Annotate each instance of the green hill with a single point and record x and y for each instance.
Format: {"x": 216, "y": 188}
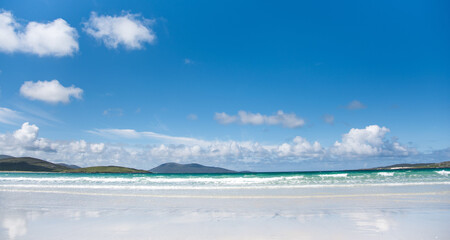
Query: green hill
{"x": 29, "y": 164}
{"x": 415, "y": 166}
{"x": 69, "y": 165}
{"x": 105, "y": 169}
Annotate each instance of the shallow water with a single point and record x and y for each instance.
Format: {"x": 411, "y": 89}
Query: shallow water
{"x": 400, "y": 204}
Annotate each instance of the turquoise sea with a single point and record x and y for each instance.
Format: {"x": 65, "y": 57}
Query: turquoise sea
{"x": 394, "y": 204}
{"x": 282, "y": 180}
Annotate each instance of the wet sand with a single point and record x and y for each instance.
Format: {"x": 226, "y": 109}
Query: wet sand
{"x": 396, "y": 212}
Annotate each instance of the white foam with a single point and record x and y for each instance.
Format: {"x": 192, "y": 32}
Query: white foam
{"x": 158, "y": 180}
{"x": 443, "y": 173}
{"x": 191, "y": 187}
{"x": 339, "y": 175}
{"x": 386, "y": 174}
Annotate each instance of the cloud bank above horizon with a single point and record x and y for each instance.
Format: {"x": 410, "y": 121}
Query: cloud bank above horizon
{"x": 357, "y": 145}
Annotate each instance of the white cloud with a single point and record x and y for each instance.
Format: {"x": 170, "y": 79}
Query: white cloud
{"x": 301, "y": 148}
{"x": 289, "y": 120}
{"x": 129, "y": 30}
{"x": 188, "y": 61}
{"x": 55, "y": 38}
{"x": 79, "y": 146}
{"x": 50, "y": 91}
{"x": 357, "y": 144}
{"x": 27, "y": 133}
{"x": 355, "y": 105}
{"x": 26, "y": 142}
{"x": 9, "y": 116}
{"x": 97, "y": 147}
{"x": 369, "y": 141}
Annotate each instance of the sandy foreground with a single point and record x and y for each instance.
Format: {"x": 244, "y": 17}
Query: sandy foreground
{"x": 402, "y": 212}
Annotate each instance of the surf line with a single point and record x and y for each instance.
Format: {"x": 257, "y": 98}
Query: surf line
{"x": 183, "y": 187}
{"x": 233, "y": 197}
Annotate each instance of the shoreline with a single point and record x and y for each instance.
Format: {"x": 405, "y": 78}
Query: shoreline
{"x": 236, "y": 173}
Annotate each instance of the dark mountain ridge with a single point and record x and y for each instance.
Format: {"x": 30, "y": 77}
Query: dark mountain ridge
{"x": 29, "y": 164}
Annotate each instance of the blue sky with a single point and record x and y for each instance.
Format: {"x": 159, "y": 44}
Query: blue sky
{"x": 205, "y": 81}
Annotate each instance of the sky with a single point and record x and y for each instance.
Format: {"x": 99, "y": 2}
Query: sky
{"x": 247, "y": 85}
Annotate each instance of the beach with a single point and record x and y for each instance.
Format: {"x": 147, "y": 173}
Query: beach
{"x": 399, "y": 204}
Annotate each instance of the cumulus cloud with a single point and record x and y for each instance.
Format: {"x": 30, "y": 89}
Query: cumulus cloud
{"x": 25, "y": 141}
{"x": 130, "y": 30}
{"x": 9, "y": 116}
{"x": 301, "y": 147}
{"x": 49, "y": 91}
{"x": 289, "y": 120}
{"x": 97, "y": 147}
{"x": 27, "y": 133}
{"x": 357, "y": 144}
{"x": 55, "y": 38}
{"x": 369, "y": 141}
{"x": 355, "y": 105}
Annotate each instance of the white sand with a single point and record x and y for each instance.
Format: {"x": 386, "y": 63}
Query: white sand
{"x": 398, "y": 212}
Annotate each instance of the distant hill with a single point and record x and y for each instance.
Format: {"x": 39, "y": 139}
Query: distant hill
{"x": 69, "y": 165}
{"x": 29, "y": 164}
{"x": 5, "y": 156}
{"x": 105, "y": 169}
{"x": 188, "y": 168}
{"x": 414, "y": 166}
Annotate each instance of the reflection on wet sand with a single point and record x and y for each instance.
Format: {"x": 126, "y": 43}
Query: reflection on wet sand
{"x": 387, "y": 213}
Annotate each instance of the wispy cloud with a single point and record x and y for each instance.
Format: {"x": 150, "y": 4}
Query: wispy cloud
{"x": 289, "y": 120}
{"x": 37, "y": 114}
{"x": 328, "y": 119}
{"x": 114, "y": 112}
{"x": 192, "y": 117}
{"x": 9, "y": 116}
{"x": 355, "y": 105}
{"x": 131, "y": 133}
{"x": 188, "y": 61}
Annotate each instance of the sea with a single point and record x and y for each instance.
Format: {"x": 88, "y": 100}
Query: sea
{"x": 388, "y": 204}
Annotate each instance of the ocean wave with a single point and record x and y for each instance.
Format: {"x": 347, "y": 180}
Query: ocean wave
{"x": 386, "y": 174}
{"x": 338, "y": 175}
{"x": 217, "y": 187}
{"x": 443, "y": 173}
{"x": 157, "y": 180}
